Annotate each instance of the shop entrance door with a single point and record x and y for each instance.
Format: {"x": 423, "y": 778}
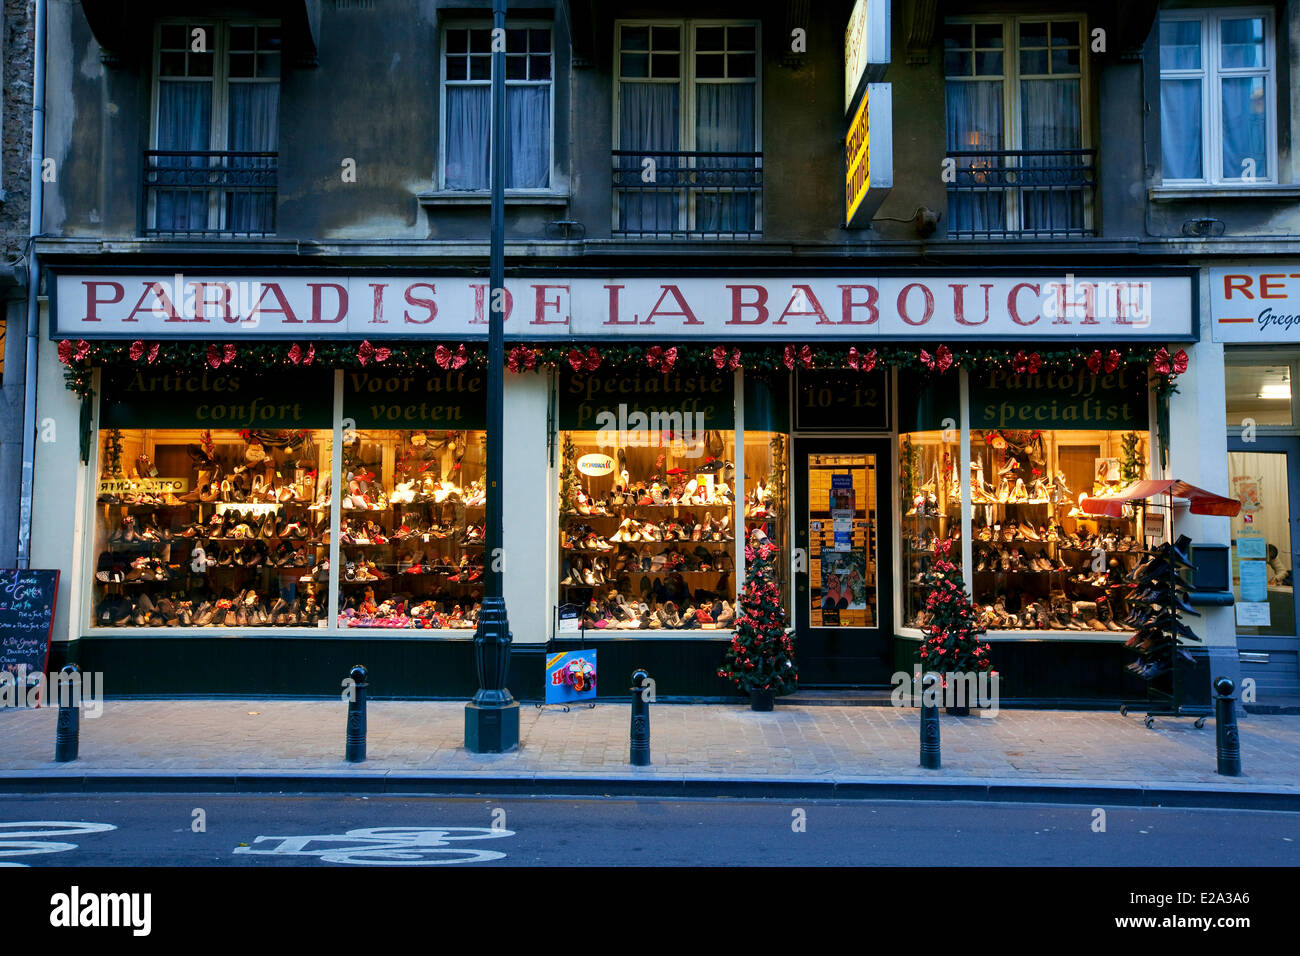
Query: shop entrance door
{"x": 843, "y": 590}
{"x": 1265, "y": 476}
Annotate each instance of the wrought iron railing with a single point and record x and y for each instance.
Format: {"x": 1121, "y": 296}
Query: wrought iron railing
{"x": 209, "y": 193}
{"x": 1021, "y": 194}
{"x": 687, "y": 195}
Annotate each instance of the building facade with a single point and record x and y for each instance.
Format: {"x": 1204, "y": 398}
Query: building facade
{"x": 854, "y": 279}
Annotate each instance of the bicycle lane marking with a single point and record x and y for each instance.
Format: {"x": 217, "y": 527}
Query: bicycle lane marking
{"x": 386, "y": 846}
{"x": 26, "y": 837}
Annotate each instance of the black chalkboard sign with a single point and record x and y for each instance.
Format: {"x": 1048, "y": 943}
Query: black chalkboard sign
{"x": 26, "y": 620}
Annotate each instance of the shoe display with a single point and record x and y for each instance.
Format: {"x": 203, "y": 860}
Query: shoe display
{"x": 172, "y": 559}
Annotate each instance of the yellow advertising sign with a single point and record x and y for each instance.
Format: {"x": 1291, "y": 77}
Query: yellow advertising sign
{"x": 857, "y": 153}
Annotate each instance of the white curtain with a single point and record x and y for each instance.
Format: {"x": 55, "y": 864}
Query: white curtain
{"x": 974, "y": 122}
{"x": 649, "y": 124}
{"x": 254, "y": 127}
{"x": 184, "y": 123}
{"x": 1050, "y": 120}
{"x": 1180, "y": 129}
{"x": 724, "y": 123}
{"x": 1244, "y": 136}
{"x": 469, "y": 137}
{"x": 468, "y": 134}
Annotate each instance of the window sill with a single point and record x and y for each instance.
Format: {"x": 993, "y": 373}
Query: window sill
{"x": 1256, "y": 191}
{"x": 457, "y": 197}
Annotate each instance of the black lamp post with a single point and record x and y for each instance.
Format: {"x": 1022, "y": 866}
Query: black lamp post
{"x": 492, "y": 717}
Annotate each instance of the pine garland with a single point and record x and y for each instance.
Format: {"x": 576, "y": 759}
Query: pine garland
{"x": 570, "y": 482}
{"x": 761, "y": 654}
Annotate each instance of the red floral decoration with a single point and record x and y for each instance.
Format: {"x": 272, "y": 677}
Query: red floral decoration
{"x": 521, "y": 359}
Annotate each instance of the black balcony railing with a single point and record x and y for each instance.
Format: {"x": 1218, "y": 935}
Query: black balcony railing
{"x": 1021, "y": 194}
{"x": 209, "y": 193}
{"x": 685, "y": 195}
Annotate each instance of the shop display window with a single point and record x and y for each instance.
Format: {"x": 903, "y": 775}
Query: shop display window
{"x": 212, "y": 528}
{"x": 647, "y": 530}
{"x": 412, "y": 529}
{"x": 767, "y": 499}
{"x": 1039, "y": 562}
{"x": 930, "y": 505}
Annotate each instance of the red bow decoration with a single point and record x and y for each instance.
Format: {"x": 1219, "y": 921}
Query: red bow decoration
{"x": 219, "y": 355}
{"x": 521, "y": 359}
{"x": 664, "y": 360}
{"x": 153, "y": 352}
{"x": 1023, "y": 363}
{"x": 447, "y": 359}
{"x": 67, "y": 354}
{"x": 943, "y": 358}
{"x": 367, "y": 352}
{"x": 720, "y": 356}
{"x": 927, "y": 360}
{"x": 1095, "y": 363}
{"x": 296, "y": 354}
{"x": 590, "y": 361}
{"x": 803, "y": 355}
{"x": 1167, "y": 366}
{"x": 1112, "y": 361}
{"x": 139, "y": 350}
{"x": 861, "y": 363}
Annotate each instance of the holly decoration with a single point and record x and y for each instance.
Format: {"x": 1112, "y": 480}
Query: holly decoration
{"x": 951, "y": 643}
{"x": 761, "y": 654}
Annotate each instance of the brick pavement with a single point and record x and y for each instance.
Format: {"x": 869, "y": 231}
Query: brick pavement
{"x": 688, "y": 741}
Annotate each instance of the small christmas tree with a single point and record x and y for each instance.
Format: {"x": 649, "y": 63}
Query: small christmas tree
{"x": 951, "y": 642}
{"x": 570, "y": 482}
{"x": 761, "y": 654}
{"x": 1132, "y": 463}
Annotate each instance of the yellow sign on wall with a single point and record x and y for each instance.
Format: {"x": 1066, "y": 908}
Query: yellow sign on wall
{"x": 857, "y": 154}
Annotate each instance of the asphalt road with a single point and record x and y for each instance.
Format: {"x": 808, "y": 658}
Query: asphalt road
{"x": 313, "y": 830}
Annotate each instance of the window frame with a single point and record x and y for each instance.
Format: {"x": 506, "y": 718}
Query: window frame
{"x": 1211, "y": 74}
{"x": 440, "y": 174}
{"x": 1012, "y": 125}
{"x": 219, "y": 99}
{"x": 687, "y": 83}
{"x": 1267, "y": 355}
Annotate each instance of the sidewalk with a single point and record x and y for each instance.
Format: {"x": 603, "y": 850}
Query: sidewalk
{"x": 417, "y": 746}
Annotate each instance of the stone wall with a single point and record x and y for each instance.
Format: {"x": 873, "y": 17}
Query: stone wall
{"x": 15, "y": 168}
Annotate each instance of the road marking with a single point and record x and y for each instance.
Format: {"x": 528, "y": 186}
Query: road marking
{"x": 387, "y": 846}
{"x": 16, "y": 837}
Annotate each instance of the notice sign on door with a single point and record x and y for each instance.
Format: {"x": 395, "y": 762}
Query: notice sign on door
{"x": 842, "y": 508}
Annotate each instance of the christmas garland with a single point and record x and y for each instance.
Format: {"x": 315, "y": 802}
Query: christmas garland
{"x": 81, "y": 357}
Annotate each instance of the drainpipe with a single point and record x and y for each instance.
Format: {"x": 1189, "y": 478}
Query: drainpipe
{"x": 33, "y": 291}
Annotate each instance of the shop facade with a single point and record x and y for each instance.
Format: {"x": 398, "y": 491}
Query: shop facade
{"x": 281, "y": 474}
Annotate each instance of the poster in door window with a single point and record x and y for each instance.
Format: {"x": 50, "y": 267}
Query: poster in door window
{"x": 843, "y": 580}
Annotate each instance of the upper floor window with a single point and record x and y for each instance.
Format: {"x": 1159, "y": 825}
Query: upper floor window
{"x": 1217, "y": 96}
{"x": 687, "y": 154}
{"x": 467, "y": 108}
{"x": 216, "y": 121}
{"x": 1017, "y": 127}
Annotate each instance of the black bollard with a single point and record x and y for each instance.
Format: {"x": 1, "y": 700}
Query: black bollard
{"x": 67, "y": 732}
{"x": 929, "y": 725}
{"x": 356, "y": 735}
{"x": 641, "y": 691}
{"x": 1227, "y": 740}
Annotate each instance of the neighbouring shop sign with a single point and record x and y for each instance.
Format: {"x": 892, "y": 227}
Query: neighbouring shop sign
{"x": 1255, "y": 304}
{"x": 1001, "y": 398}
{"x": 430, "y": 399}
{"x": 866, "y": 47}
{"x": 208, "y": 399}
{"x": 869, "y": 156}
{"x": 228, "y": 307}
{"x": 647, "y": 410}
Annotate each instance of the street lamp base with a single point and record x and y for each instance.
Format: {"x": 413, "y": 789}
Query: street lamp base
{"x": 491, "y": 728}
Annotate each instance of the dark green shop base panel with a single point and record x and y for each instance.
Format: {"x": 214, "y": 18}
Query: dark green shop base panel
{"x": 1065, "y": 674}
{"x": 290, "y": 667}
{"x": 685, "y": 669}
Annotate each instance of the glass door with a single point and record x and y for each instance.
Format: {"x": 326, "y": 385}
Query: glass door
{"x": 842, "y": 584}
{"x": 1263, "y": 476}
